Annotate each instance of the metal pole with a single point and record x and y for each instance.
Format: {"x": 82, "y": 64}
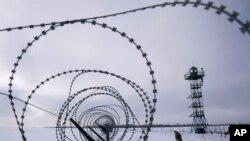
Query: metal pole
{"x": 81, "y": 130}
{"x": 96, "y": 133}
{"x": 107, "y": 136}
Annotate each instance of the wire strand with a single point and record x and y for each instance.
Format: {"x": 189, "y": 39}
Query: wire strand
{"x": 30, "y": 104}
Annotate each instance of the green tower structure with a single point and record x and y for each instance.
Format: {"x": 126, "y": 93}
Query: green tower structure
{"x": 195, "y": 77}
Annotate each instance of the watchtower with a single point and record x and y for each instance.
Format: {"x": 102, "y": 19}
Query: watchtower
{"x": 196, "y": 82}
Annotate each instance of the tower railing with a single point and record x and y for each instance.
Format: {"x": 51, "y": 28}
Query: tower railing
{"x": 197, "y": 114}
{"x": 195, "y": 86}
{"x": 198, "y": 73}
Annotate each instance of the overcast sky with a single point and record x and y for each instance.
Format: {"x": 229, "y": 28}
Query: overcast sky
{"x": 175, "y": 38}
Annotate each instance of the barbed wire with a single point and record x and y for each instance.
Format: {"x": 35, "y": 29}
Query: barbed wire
{"x": 149, "y": 109}
{"x": 220, "y": 10}
{"x": 108, "y": 91}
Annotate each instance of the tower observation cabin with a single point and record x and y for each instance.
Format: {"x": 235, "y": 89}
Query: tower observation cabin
{"x": 195, "y": 77}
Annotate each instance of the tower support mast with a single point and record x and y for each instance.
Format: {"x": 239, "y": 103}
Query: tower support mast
{"x": 195, "y": 77}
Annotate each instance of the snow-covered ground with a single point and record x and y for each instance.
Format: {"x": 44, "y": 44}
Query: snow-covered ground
{"x": 169, "y": 136}
{"x": 46, "y": 134}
